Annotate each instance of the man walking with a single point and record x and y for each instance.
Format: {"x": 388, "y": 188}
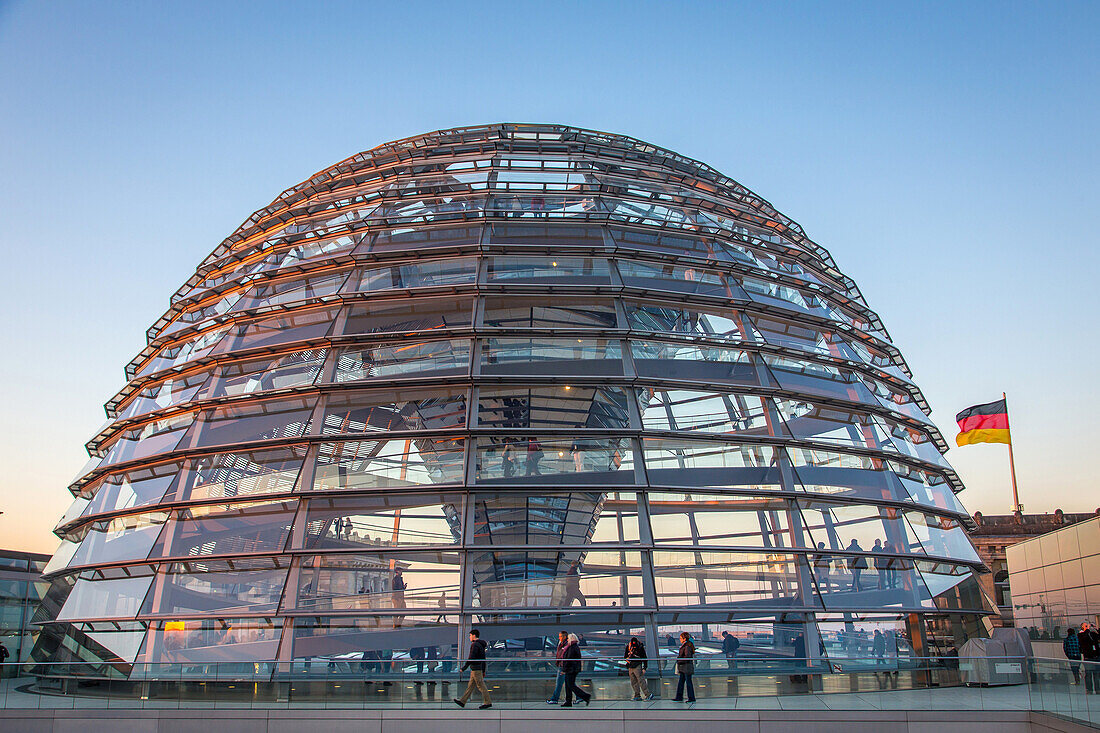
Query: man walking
{"x": 475, "y": 661}
{"x": 559, "y": 683}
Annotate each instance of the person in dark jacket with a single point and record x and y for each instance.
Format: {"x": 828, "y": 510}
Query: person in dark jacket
{"x": 559, "y": 683}
{"x": 636, "y": 664}
{"x": 730, "y": 645}
{"x": 1089, "y": 642}
{"x": 1072, "y": 649}
{"x": 571, "y": 666}
{"x": 685, "y": 667}
{"x": 475, "y": 662}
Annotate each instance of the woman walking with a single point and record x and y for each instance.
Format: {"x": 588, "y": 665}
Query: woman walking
{"x": 685, "y": 667}
{"x": 636, "y": 664}
{"x": 571, "y": 667}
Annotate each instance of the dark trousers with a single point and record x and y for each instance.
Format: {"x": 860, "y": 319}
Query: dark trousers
{"x": 685, "y": 680}
{"x": 571, "y": 689}
{"x": 1092, "y": 674}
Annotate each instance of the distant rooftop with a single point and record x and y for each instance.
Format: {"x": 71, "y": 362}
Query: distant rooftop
{"x": 1026, "y": 524}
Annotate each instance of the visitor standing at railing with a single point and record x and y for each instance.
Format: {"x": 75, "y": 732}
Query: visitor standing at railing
{"x": 559, "y": 682}
{"x": 1089, "y": 641}
{"x": 475, "y": 662}
{"x": 730, "y": 645}
{"x": 636, "y": 664}
{"x": 571, "y": 666}
{"x": 1072, "y": 649}
{"x": 685, "y": 667}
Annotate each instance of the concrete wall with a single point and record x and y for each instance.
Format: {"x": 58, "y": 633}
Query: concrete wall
{"x": 529, "y": 721}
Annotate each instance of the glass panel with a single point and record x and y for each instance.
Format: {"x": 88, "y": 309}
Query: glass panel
{"x": 434, "y": 273}
{"x": 580, "y": 236}
{"x": 374, "y": 645}
{"x": 954, "y": 587}
{"x": 552, "y": 407}
{"x": 383, "y": 521}
{"x": 95, "y": 597}
{"x": 858, "y": 528}
{"x": 280, "y": 329}
{"x": 175, "y": 390}
{"x": 377, "y": 464}
{"x": 836, "y": 425}
{"x": 818, "y": 380}
{"x": 294, "y": 290}
{"x": 709, "y": 249}
{"x": 551, "y": 356}
{"x": 736, "y": 579}
{"x": 267, "y": 420}
{"x": 210, "y": 587}
{"x": 229, "y": 475}
{"x": 368, "y": 412}
{"x": 214, "y": 641}
{"x": 225, "y": 529}
{"x": 524, "y": 460}
{"x": 409, "y": 316}
{"x": 420, "y": 238}
{"x": 708, "y": 412}
{"x": 264, "y": 375}
{"x": 549, "y": 270}
{"x": 517, "y": 579}
{"x": 578, "y": 518}
{"x": 191, "y": 348}
{"x": 524, "y": 313}
{"x": 122, "y": 538}
{"x": 404, "y": 359}
{"x": 132, "y": 489}
{"x": 942, "y": 537}
{"x": 679, "y": 278}
{"x": 717, "y": 323}
{"x": 152, "y": 438}
{"x": 720, "y": 520}
{"x": 420, "y": 581}
{"x": 666, "y": 359}
{"x": 710, "y": 463}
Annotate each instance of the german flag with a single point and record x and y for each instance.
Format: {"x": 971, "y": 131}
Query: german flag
{"x": 986, "y": 423}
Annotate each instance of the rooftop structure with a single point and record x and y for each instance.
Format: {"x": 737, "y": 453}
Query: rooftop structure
{"x": 523, "y": 378}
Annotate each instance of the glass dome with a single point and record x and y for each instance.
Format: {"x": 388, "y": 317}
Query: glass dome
{"x": 519, "y": 378}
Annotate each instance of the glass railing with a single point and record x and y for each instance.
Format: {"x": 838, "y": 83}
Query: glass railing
{"x": 1051, "y": 686}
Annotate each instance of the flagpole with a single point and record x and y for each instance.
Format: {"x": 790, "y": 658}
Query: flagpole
{"x": 1016, "y": 507}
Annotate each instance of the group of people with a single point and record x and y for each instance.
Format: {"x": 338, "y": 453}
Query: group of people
{"x": 569, "y": 663}
{"x": 1084, "y": 645}
{"x": 885, "y": 567}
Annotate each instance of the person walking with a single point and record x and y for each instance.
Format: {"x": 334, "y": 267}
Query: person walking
{"x": 1072, "y": 649}
{"x": 730, "y": 645}
{"x": 856, "y": 564}
{"x": 880, "y": 564}
{"x": 559, "y": 682}
{"x": 573, "y": 585}
{"x": 1089, "y": 642}
{"x": 571, "y": 667}
{"x": 475, "y": 662}
{"x": 685, "y": 668}
{"x": 636, "y": 665}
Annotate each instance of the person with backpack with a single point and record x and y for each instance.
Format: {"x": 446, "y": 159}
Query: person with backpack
{"x": 636, "y": 665}
{"x": 685, "y": 667}
{"x": 475, "y": 662}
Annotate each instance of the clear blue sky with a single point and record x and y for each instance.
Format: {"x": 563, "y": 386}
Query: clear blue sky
{"x": 945, "y": 154}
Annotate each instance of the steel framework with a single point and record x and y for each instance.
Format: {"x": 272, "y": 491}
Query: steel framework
{"x": 523, "y": 377}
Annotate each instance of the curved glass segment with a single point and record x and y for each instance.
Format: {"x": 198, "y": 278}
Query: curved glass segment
{"x": 511, "y": 376}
